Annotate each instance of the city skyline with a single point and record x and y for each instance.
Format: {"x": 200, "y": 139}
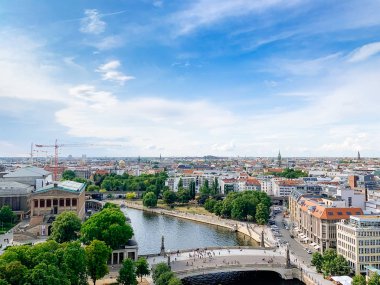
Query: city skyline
{"x": 191, "y": 78}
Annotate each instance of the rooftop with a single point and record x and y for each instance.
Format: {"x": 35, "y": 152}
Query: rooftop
{"x": 27, "y": 171}
{"x": 68, "y": 186}
{"x": 14, "y": 188}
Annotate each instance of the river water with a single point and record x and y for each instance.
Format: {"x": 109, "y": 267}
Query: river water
{"x": 183, "y": 234}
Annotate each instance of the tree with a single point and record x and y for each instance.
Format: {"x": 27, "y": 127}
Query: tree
{"x": 175, "y": 281}
{"x": 215, "y": 187}
{"x": 15, "y": 272}
{"x": 341, "y": 266}
{"x": 97, "y": 254}
{"x": 159, "y": 269}
{"x": 74, "y": 261}
{"x": 164, "y": 278}
{"x": 183, "y": 196}
{"x": 210, "y": 204}
{"x": 47, "y": 274}
{"x": 358, "y": 280}
{"x": 127, "y": 275}
{"x": 180, "y": 183}
{"x": 150, "y": 200}
{"x": 169, "y": 197}
{"x": 142, "y": 267}
{"x": 68, "y": 175}
{"x": 262, "y": 214}
{"x": 66, "y": 227}
{"x": 192, "y": 190}
{"x": 374, "y": 279}
{"x": 130, "y": 196}
{"x": 317, "y": 261}
{"x": 92, "y": 188}
{"x": 109, "y": 225}
{"x": 218, "y": 208}
{"x": 7, "y": 217}
{"x": 3, "y": 282}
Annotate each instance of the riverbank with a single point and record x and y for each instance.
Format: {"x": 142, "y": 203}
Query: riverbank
{"x": 250, "y": 230}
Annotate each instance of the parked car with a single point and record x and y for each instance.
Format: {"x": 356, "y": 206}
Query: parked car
{"x": 309, "y": 251}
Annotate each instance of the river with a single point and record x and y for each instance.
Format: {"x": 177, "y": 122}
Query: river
{"x": 183, "y": 234}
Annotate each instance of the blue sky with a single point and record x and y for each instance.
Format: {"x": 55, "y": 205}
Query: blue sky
{"x": 220, "y": 77}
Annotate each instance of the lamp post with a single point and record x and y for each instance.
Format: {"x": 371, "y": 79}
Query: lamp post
{"x": 168, "y": 255}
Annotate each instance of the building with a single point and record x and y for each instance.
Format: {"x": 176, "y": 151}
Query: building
{"x": 51, "y": 200}
{"x": 30, "y": 175}
{"x": 358, "y": 240}
{"x": 315, "y": 218}
{"x": 16, "y": 195}
{"x": 283, "y": 188}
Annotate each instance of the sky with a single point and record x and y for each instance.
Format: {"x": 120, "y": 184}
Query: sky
{"x": 191, "y": 78}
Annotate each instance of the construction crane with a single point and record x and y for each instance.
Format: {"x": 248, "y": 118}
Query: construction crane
{"x": 56, "y": 147}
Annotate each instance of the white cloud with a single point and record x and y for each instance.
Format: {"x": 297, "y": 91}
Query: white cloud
{"x": 109, "y": 72}
{"x": 227, "y": 147}
{"x": 107, "y": 43}
{"x": 206, "y": 12}
{"x": 364, "y": 52}
{"x": 23, "y": 76}
{"x": 92, "y": 23}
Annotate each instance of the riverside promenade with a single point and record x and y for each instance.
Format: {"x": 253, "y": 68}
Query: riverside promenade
{"x": 250, "y": 230}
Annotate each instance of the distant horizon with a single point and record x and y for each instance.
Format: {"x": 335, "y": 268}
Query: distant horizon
{"x": 191, "y": 77}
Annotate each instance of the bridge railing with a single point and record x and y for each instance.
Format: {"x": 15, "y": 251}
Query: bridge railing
{"x": 212, "y": 248}
{"x": 258, "y": 266}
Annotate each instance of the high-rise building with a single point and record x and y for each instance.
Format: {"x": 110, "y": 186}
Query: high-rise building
{"x": 358, "y": 240}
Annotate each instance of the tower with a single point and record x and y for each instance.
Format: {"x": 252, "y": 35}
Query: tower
{"x": 358, "y": 155}
{"x": 279, "y": 159}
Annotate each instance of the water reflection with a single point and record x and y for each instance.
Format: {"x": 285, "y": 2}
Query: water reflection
{"x": 179, "y": 233}
{"x": 240, "y": 278}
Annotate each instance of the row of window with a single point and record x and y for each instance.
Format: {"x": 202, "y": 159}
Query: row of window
{"x": 369, "y": 242}
{"x": 55, "y": 202}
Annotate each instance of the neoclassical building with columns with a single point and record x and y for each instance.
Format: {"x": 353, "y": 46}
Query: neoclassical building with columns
{"x": 56, "y": 198}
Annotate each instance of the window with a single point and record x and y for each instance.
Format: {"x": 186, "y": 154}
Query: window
{"x": 48, "y": 203}
{"x": 62, "y": 202}
{"x": 330, "y": 213}
{"x": 340, "y": 213}
{"x": 35, "y": 203}
{"x": 68, "y": 202}
{"x": 42, "y": 203}
{"x": 55, "y": 202}
{"x": 74, "y": 202}
{"x": 348, "y": 213}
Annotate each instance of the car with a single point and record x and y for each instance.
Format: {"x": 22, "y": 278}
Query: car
{"x": 286, "y": 228}
{"x": 309, "y": 251}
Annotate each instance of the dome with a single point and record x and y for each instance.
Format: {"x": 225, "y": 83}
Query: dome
{"x": 122, "y": 164}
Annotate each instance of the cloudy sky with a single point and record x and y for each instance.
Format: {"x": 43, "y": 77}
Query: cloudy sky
{"x": 219, "y": 77}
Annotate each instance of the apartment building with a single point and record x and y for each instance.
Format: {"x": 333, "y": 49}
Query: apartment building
{"x": 315, "y": 218}
{"x": 358, "y": 240}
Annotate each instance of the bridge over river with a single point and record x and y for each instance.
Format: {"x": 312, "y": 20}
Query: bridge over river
{"x": 193, "y": 262}
{"x": 222, "y": 259}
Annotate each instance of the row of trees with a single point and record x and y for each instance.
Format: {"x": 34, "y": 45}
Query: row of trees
{"x": 289, "y": 173}
{"x": 145, "y": 182}
{"x": 374, "y": 279}
{"x": 330, "y": 263}
{"x": 109, "y": 225}
{"x": 162, "y": 275}
{"x": 131, "y": 269}
{"x": 169, "y": 197}
{"x": 54, "y": 264}
{"x": 247, "y": 205}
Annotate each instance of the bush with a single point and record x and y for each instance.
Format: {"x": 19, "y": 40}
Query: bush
{"x": 150, "y": 200}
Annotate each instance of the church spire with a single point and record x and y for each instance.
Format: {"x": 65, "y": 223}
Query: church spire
{"x": 279, "y": 159}
{"x": 358, "y": 155}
